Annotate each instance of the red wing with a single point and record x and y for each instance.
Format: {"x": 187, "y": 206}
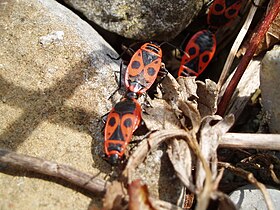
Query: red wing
{"x": 111, "y": 126}
{"x": 136, "y": 64}
{"x": 233, "y": 10}
{"x": 218, "y": 7}
{"x": 151, "y": 71}
{"x": 201, "y": 49}
{"x": 128, "y": 122}
{"x": 193, "y": 51}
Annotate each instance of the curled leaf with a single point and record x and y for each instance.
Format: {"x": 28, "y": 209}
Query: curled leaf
{"x": 160, "y": 116}
{"x": 181, "y": 158}
{"x": 210, "y": 135}
{"x": 208, "y": 97}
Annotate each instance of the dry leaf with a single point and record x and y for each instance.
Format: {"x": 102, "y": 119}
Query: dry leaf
{"x": 113, "y": 198}
{"x": 208, "y": 97}
{"x": 138, "y": 196}
{"x": 188, "y": 88}
{"x": 181, "y": 95}
{"x": 191, "y": 117}
{"x": 160, "y": 116}
{"x": 180, "y": 156}
{"x": 210, "y": 136}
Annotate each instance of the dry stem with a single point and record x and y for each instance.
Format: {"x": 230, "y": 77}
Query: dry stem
{"x": 236, "y": 45}
{"x": 258, "y": 35}
{"x": 67, "y": 173}
{"x": 250, "y": 178}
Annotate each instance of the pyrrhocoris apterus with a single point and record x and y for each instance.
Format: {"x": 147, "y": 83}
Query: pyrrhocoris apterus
{"x": 143, "y": 68}
{"x": 222, "y": 12}
{"x": 201, "y": 49}
{"x": 121, "y": 122}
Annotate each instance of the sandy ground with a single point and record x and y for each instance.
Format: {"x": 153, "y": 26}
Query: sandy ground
{"x": 51, "y": 96}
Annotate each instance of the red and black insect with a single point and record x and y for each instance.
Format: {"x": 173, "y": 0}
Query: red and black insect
{"x": 200, "y": 49}
{"x": 122, "y": 121}
{"x": 222, "y": 12}
{"x": 143, "y": 68}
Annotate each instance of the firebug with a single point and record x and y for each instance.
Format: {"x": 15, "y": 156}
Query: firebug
{"x": 222, "y": 12}
{"x": 200, "y": 49}
{"x": 122, "y": 121}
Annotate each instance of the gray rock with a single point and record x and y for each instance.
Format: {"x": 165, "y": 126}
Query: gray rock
{"x": 141, "y": 20}
{"x": 249, "y": 197}
{"x": 269, "y": 79}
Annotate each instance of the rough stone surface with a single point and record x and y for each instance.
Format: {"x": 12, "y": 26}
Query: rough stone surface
{"x": 141, "y": 20}
{"x": 55, "y": 79}
{"x": 248, "y": 197}
{"x": 269, "y": 78}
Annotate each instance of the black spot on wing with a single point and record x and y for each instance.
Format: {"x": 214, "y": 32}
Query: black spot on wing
{"x": 218, "y": 7}
{"x": 135, "y": 64}
{"x": 151, "y": 71}
{"x": 205, "y": 58}
{"x": 112, "y": 121}
{"x": 192, "y": 51}
{"x": 231, "y": 12}
{"x": 127, "y": 123}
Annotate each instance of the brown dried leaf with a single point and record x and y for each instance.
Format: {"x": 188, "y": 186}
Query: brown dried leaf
{"x": 160, "y": 116}
{"x": 180, "y": 156}
{"x": 191, "y": 119}
{"x": 210, "y": 136}
{"x": 139, "y": 196}
{"x": 170, "y": 88}
{"x": 114, "y": 196}
{"x": 146, "y": 145}
{"x": 188, "y": 88}
{"x": 208, "y": 97}
{"x": 182, "y": 97}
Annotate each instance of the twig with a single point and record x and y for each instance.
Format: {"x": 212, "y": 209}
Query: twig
{"x": 67, "y": 173}
{"x": 250, "y": 177}
{"x": 236, "y": 45}
{"x": 251, "y": 140}
{"x": 258, "y": 35}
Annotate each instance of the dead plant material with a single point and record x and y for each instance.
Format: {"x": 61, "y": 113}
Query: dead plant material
{"x": 272, "y": 36}
{"x": 250, "y": 178}
{"x": 258, "y": 35}
{"x": 243, "y": 31}
{"x": 251, "y": 141}
{"x": 211, "y": 131}
{"x": 208, "y": 97}
{"x": 182, "y": 160}
{"x": 139, "y": 196}
{"x": 115, "y": 196}
{"x": 50, "y": 168}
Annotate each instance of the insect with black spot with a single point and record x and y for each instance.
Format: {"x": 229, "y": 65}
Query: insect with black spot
{"x": 222, "y": 12}
{"x": 122, "y": 121}
{"x": 143, "y": 68}
{"x": 200, "y": 49}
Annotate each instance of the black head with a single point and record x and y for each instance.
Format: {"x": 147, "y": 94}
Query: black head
{"x": 114, "y": 159}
